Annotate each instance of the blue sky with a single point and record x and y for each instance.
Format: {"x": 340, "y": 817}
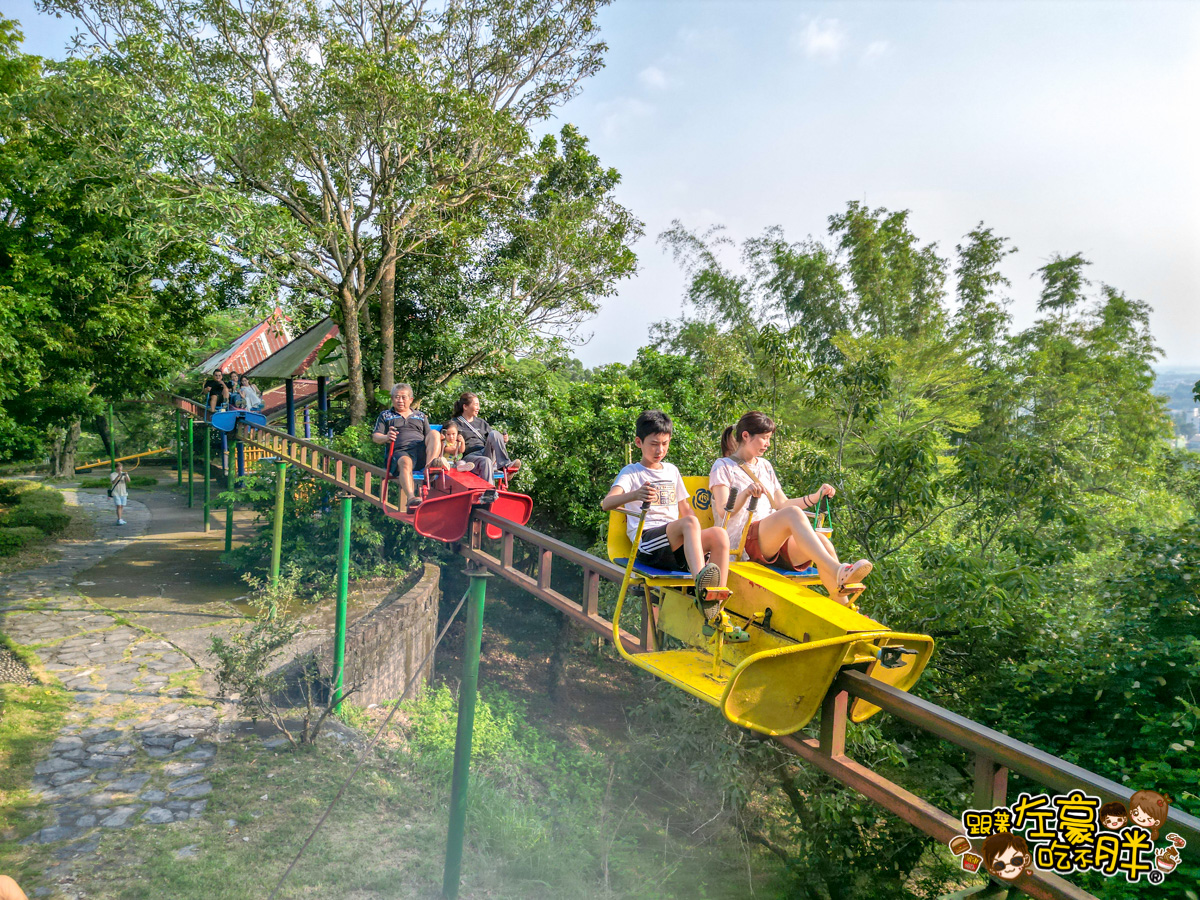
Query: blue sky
{"x": 1066, "y": 126}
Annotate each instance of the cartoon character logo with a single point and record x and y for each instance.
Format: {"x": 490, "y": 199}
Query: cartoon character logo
{"x": 1113, "y": 816}
{"x": 1006, "y": 855}
{"x": 703, "y": 499}
{"x": 1149, "y": 810}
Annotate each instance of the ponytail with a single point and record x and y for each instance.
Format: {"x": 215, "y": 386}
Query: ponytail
{"x": 461, "y": 403}
{"x": 752, "y": 422}
{"x": 728, "y": 442}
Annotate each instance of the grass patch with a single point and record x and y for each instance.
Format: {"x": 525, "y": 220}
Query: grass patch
{"x": 544, "y": 822}
{"x": 354, "y": 716}
{"x": 30, "y": 719}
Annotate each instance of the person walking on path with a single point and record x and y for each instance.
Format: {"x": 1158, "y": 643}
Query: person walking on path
{"x": 118, "y": 489}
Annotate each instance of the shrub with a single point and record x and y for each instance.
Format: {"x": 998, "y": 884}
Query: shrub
{"x": 249, "y": 664}
{"x": 11, "y": 489}
{"x": 13, "y": 539}
{"x": 41, "y": 499}
{"x": 43, "y": 520}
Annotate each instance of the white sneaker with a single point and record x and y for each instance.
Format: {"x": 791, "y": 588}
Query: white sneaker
{"x": 122, "y": 522}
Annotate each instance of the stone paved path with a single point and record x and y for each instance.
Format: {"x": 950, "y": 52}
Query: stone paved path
{"x": 137, "y": 740}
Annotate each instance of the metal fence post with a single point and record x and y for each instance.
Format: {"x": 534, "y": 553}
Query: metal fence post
{"x": 277, "y": 524}
{"x": 290, "y": 406}
{"x": 207, "y": 475}
{"x": 178, "y": 450}
{"x": 191, "y": 459}
{"x": 229, "y": 485}
{"x": 343, "y": 593}
{"x": 467, "y": 695}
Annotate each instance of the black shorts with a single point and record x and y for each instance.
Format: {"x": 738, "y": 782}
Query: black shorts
{"x": 655, "y": 551}
{"x": 416, "y": 453}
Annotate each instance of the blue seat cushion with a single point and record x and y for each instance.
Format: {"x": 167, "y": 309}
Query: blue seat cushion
{"x": 810, "y": 572}
{"x": 650, "y": 571}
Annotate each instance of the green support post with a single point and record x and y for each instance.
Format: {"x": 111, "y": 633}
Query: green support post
{"x": 191, "y": 460}
{"x": 343, "y": 594}
{"x": 207, "y": 477}
{"x": 229, "y": 485}
{"x": 178, "y": 450}
{"x": 112, "y": 440}
{"x": 467, "y": 694}
{"x": 277, "y": 524}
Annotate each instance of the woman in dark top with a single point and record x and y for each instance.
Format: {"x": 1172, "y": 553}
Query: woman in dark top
{"x": 485, "y": 445}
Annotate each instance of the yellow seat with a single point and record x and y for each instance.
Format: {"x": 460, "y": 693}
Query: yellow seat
{"x": 798, "y": 639}
{"x": 619, "y": 548}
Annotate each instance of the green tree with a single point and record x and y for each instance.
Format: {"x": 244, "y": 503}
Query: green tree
{"x": 1062, "y": 283}
{"x": 982, "y": 316}
{"x": 537, "y": 268}
{"x": 326, "y": 143}
{"x": 92, "y": 306}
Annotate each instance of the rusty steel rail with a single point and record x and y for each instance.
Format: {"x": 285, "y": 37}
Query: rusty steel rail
{"x": 594, "y": 568}
{"x": 995, "y": 753}
{"x": 355, "y": 477}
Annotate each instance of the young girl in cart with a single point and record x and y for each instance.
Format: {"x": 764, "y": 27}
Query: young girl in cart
{"x": 780, "y": 534}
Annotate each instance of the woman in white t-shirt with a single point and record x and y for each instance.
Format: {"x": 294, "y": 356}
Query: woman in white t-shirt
{"x": 780, "y": 534}
{"x": 118, "y": 482}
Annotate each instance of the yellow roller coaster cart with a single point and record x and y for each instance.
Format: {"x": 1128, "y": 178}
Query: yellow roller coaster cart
{"x": 768, "y": 652}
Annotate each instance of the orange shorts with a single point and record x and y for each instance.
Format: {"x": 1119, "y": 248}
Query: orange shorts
{"x": 781, "y": 559}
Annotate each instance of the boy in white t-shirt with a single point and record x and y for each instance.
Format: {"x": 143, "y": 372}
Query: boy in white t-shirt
{"x": 671, "y": 537}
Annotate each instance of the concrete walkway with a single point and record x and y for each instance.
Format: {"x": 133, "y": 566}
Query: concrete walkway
{"x": 130, "y": 647}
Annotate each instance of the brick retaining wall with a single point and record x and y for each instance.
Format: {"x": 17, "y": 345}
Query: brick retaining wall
{"x": 385, "y": 646}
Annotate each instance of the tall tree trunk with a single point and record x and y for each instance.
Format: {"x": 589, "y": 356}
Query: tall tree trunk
{"x": 62, "y": 456}
{"x": 387, "y": 312}
{"x": 100, "y": 426}
{"x": 353, "y": 350}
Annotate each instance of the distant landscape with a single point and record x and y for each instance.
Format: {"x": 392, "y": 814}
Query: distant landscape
{"x": 1177, "y": 385}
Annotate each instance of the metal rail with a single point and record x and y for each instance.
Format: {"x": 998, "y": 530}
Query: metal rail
{"x": 106, "y": 461}
{"x": 995, "y": 753}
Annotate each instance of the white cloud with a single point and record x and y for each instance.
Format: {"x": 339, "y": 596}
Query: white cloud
{"x": 618, "y": 114}
{"x": 653, "y": 77}
{"x": 821, "y": 39}
{"x": 875, "y": 49}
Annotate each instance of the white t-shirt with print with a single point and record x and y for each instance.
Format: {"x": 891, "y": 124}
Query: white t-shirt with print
{"x": 727, "y": 471}
{"x": 633, "y": 477}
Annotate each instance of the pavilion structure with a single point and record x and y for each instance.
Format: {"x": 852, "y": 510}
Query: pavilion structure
{"x": 305, "y": 365}
{"x": 250, "y": 347}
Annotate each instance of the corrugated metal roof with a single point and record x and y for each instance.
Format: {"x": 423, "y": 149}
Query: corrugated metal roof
{"x": 250, "y": 347}
{"x": 308, "y": 355}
